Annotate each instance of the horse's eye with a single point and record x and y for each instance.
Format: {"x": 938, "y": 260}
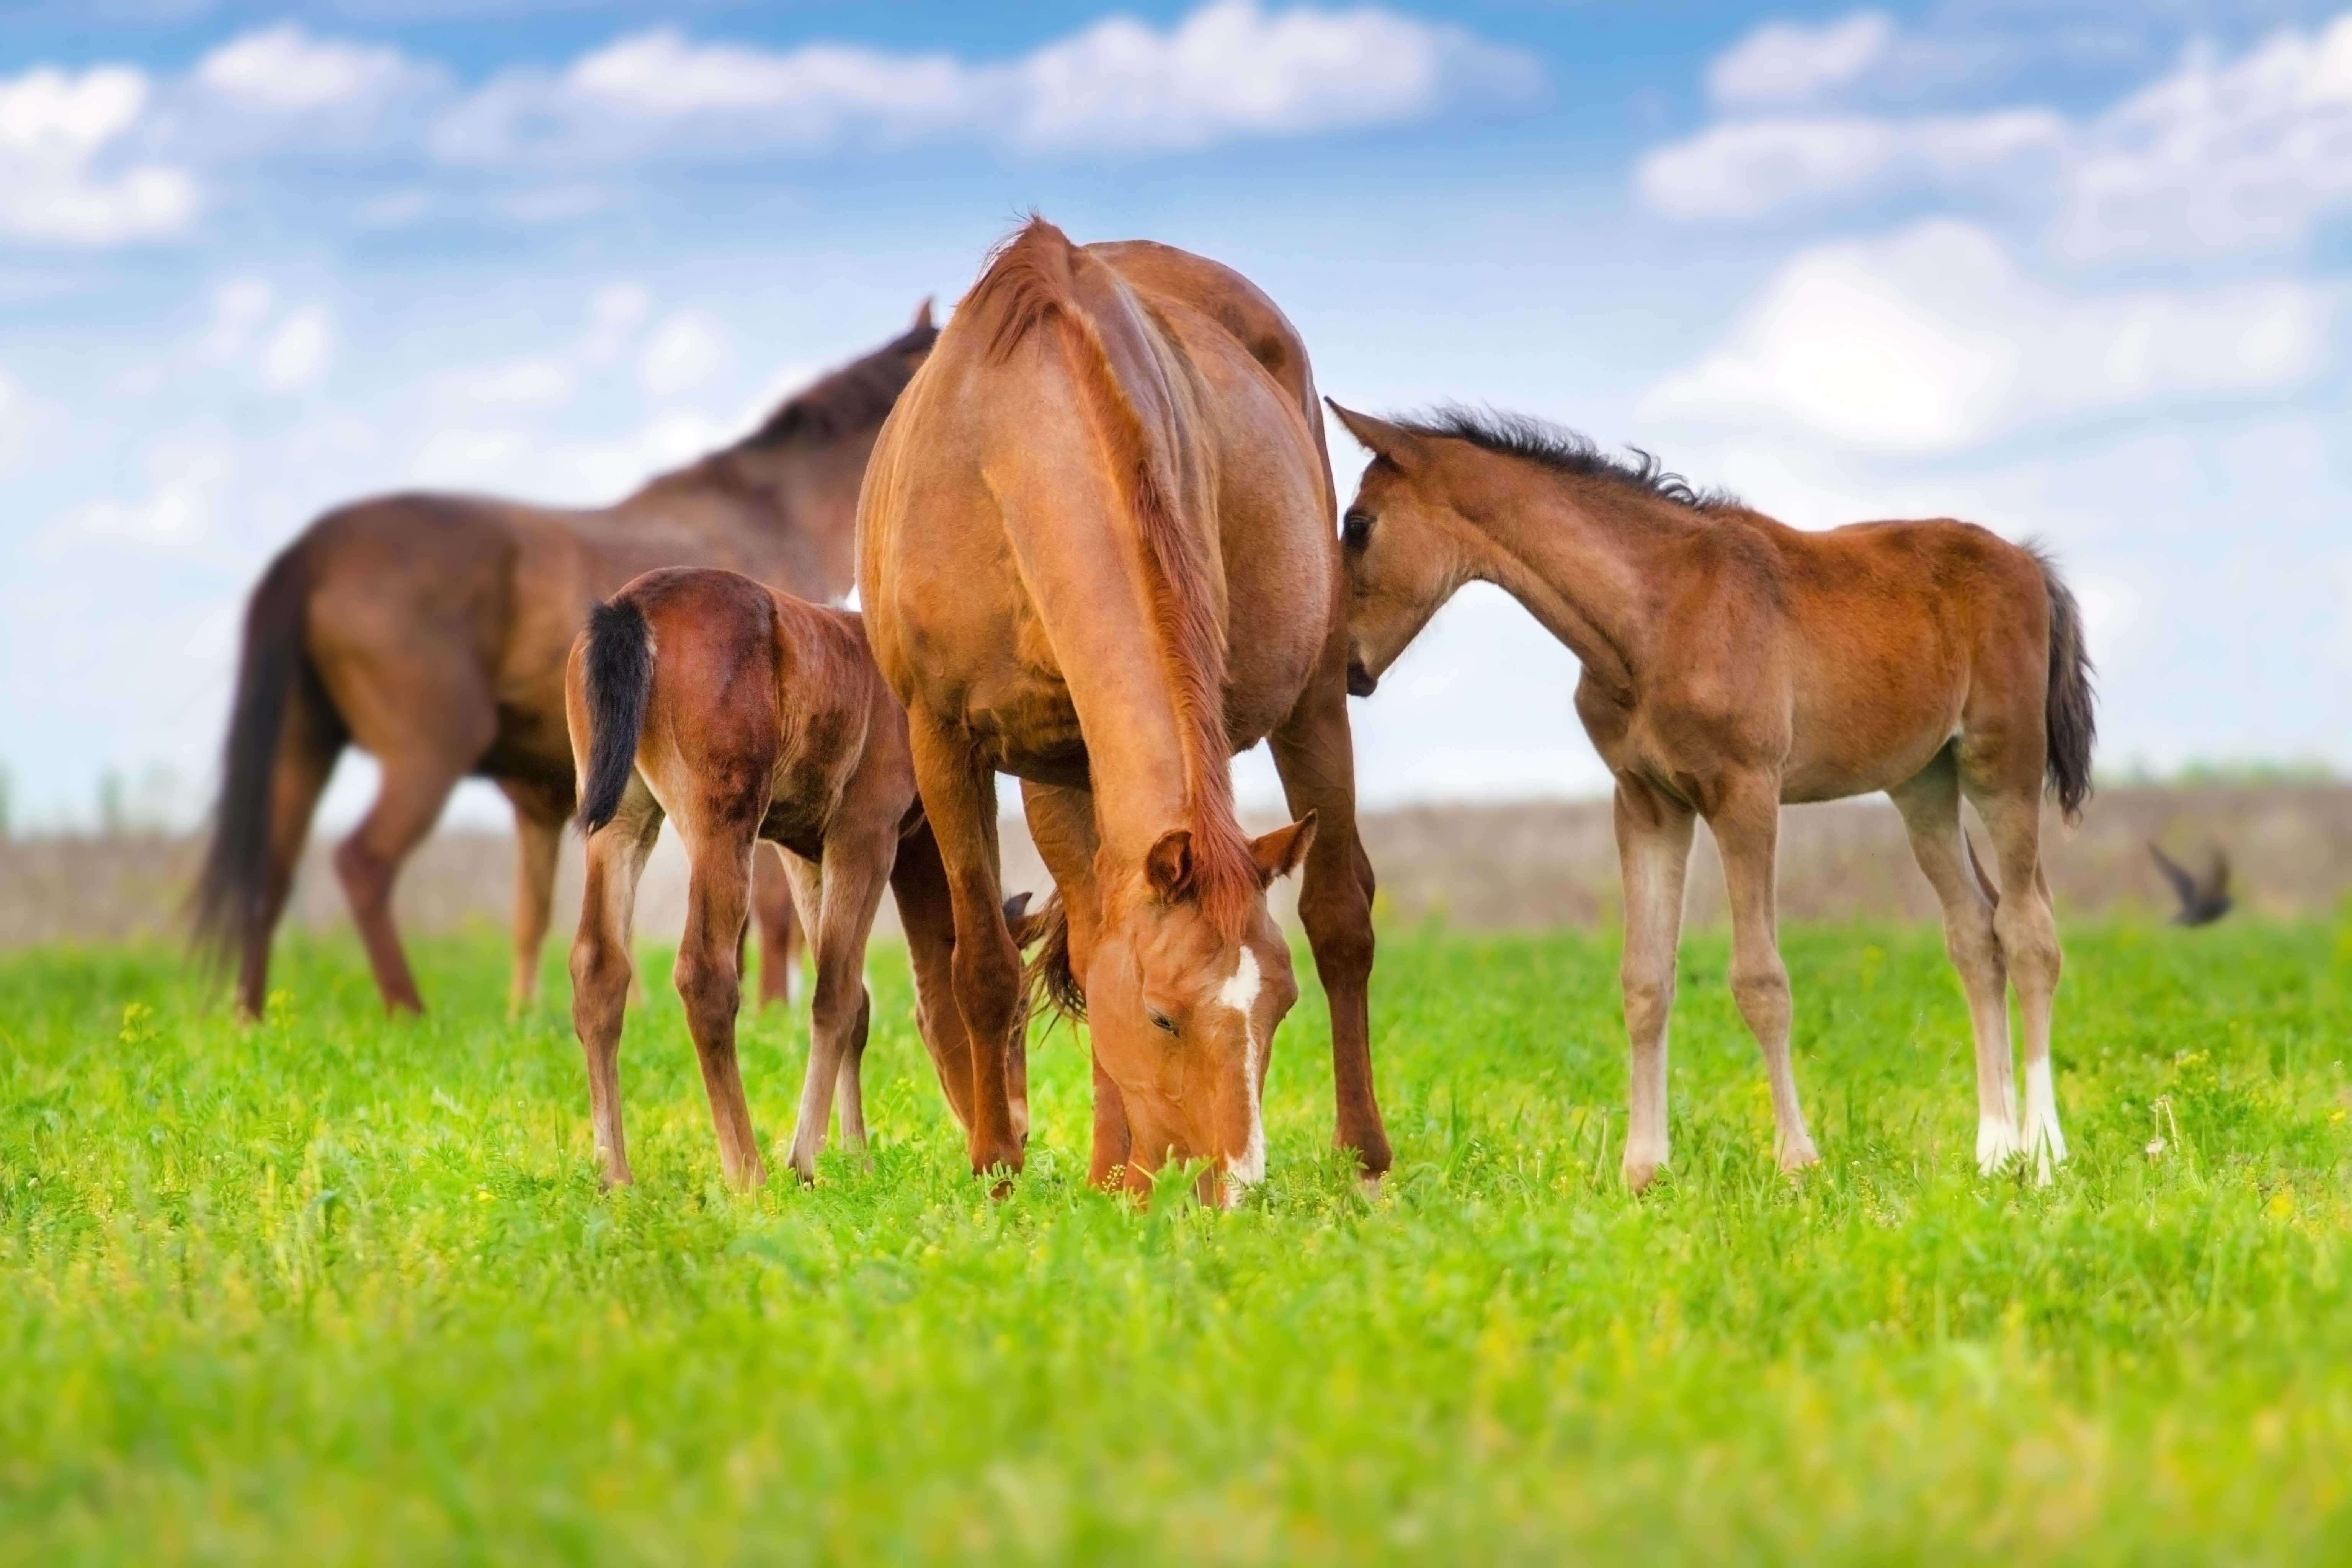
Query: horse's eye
{"x": 1356, "y": 529}
{"x": 1161, "y": 1021}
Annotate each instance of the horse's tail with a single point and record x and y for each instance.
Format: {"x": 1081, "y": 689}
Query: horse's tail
{"x": 2071, "y": 723}
{"x": 1048, "y": 973}
{"x": 618, "y": 676}
{"x": 1036, "y": 277}
{"x": 230, "y": 903}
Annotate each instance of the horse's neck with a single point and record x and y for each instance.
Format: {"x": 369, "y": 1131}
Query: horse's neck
{"x": 1578, "y": 563}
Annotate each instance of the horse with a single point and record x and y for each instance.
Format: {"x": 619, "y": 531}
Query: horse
{"x": 1732, "y": 663}
{"x": 431, "y": 631}
{"x": 742, "y": 713}
{"x": 1096, "y": 551}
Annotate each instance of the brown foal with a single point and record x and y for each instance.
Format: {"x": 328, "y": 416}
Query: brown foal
{"x": 1732, "y": 663}
{"x": 430, "y": 631}
{"x": 1096, "y": 551}
{"x": 742, "y": 713}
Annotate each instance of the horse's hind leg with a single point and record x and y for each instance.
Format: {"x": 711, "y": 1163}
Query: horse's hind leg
{"x": 538, "y": 835}
{"x": 779, "y": 932}
{"x": 708, "y": 977}
{"x": 850, "y": 880}
{"x": 2029, "y": 942}
{"x": 407, "y": 804}
{"x": 1747, "y": 831}
{"x": 1930, "y": 805}
{"x": 601, "y": 967}
{"x": 1653, "y": 840}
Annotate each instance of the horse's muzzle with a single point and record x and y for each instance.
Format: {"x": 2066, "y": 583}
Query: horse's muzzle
{"x": 1361, "y": 683}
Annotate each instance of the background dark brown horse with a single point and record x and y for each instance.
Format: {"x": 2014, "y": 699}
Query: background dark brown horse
{"x": 431, "y": 632}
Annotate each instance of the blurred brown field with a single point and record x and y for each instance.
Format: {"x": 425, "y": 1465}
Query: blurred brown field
{"x": 1533, "y": 866}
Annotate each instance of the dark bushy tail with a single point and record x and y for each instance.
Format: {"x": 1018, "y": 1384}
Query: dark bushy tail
{"x": 2073, "y": 727}
{"x": 619, "y": 677}
{"x": 232, "y": 889}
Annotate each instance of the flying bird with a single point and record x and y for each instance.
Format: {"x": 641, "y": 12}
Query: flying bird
{"x": 2202, "y": 901}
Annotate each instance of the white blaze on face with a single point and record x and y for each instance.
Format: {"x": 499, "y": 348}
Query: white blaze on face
{"x": 1240, "y": 993}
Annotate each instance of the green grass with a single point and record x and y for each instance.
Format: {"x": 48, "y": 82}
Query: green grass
{"x": 337, "y": 1289}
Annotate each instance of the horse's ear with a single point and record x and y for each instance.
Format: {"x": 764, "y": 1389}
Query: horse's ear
{"x": 1394, "y": 442}
{"x": 1279, "y": 853}
{"x": 1169, "y": 867}
{"x": 922, "y": 316}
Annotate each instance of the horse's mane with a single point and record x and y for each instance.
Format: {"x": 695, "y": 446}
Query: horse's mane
{"x": 1035, "y": 276}
{"x": 858, "y": 396}
{"x": 1565, "y": 452}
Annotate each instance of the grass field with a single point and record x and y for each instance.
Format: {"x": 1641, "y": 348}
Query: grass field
{"x": 335, "y": 1288}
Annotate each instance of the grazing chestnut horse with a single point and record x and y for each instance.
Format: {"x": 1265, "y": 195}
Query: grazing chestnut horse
{"x": 742, "y": 713}
{"x": 430, "y": 631}
{"x": 1096, "y": 551}
{"x": 1732, "y": 663}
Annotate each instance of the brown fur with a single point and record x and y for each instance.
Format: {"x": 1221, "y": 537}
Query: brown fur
{"x": 431, "y": 630}
{"x": 1033, "y": 281}
{"x": 745, "y": 714}
{"x": 1732, "y": 663}
{"x": 1096, "y": 551}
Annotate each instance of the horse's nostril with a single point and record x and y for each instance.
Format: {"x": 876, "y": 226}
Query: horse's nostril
{"x": 1361, "y": 683}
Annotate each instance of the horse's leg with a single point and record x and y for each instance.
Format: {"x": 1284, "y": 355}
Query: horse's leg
{"x": 960, "y": 797}
{"x": 779, "y": 933}
{"x": 1930, "y": 805}
{"x": 2028, "y": 942}
{"x": 1653, "y": 840}
{"x": 1062, "y": 826}
{"x": 855, "y": 866}
{"x": 308, "y": 747}
{"x": 414, "y": 788}
{"x": 1315, "y": 754}
{"x": 601, "y": 966}
{"x": 920, "y": 884}
{"x": 539, "y": 835}
{"x": 708, "y": 978}
{"x": 1747, "y": 830}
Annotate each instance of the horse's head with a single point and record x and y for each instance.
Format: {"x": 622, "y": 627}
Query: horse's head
{"x": 1184, "y": 1001}
{"x": 1398, "y": 548}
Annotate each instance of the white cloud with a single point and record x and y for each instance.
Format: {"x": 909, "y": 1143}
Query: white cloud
{"x": 2216, "y": 156}
{"x": 682, "y": 353}
{"x": 1763, "y": 168}
{"x": 1782, "y": 63}
{"x": 66, "y": 173}
{"x": 1932, "y": 340}
{"x": 1232, "y": 69}
{"x": 285, "y": 71}
{"x": 297, "y": 350}
{"x": 187, "y": 478}
{"x": 516, "y": 383}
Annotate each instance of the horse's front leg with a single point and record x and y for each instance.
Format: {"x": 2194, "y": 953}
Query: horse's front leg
{"x": 1747, "y": 830}
{"x": 959, "y": 795}
{"x": 1653, "y": 840}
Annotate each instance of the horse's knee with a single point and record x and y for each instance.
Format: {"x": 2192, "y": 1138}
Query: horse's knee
{"x": 1339, "y": 930}
{"x": 1760, "y": 988}
{"x": 365, "y": 875}
{"x": 709, "y": 985}
{"x": 2028, "y": 942}
{"x": 988, "y": 983}
{"x": 836, "y": 1009}
{"x": 1649, "y": 997}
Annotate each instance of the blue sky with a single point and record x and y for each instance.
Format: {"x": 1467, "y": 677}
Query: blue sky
{"x": 2073, "y": 269}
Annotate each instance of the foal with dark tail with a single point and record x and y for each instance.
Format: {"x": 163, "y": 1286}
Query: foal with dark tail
{"x": 1732, "y": 663}
{"x": 742, "y": 713}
